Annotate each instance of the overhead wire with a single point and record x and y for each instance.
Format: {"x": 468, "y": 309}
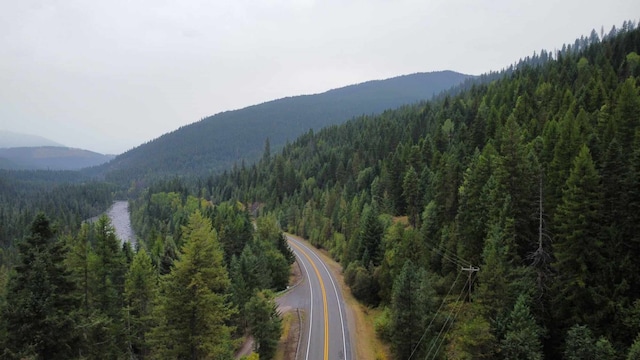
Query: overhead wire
{"x": 435, "y": 353}
{"x": 444, "y": 299}
{"x": 440, "y": 333}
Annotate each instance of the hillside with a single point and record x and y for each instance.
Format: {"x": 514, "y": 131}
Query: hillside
{"x": 217, "y": 142}
{"x": 530, "y": 182}
{"x": 49, "y": 158}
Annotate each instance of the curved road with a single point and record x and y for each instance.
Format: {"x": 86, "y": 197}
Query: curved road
{"x": 324, "y": 333}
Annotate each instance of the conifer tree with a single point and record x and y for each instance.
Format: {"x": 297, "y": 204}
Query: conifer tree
{"x": 577, "y": 248}
{"x": 411, "y": 193}
{"x": 499, "y": 256}
{"x": 107, "y": 270}
{"x": 40, "y": 304}
{"x": 264, "y": 323}
{"x": 192, "y": 307}
{"x": 370, "y": 238}
{"x": 579, "y": 344}
{"x": 634, "y": 350}
{"x": 412, "y": 309}
{"x": 522, "y": 339}
{"x": 140, "y": 291}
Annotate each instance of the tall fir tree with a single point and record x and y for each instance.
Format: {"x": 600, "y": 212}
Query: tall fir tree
{"x": 264, "y": 323}
{"x": 193, "y": 309}
{"x": 139, "y": 292}
{"x": 522, "y": 340}
{"x": 40, "y": 305}
{"x": 578, "y": 248}
{"x": 412, "y": 309}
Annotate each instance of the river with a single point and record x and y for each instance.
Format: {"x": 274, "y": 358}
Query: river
{"x": 121, "y": 221}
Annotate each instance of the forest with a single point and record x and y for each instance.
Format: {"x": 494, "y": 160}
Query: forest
{"x": 499, "y": 221}
{"x": 215, "y": 143}
{"x": 532, "y": 179}
{"x": 193, "y": 293}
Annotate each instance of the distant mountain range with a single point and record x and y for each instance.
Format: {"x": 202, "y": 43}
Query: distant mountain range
{"x": 49, "y": 157}
{"x": 9, "y": 139}
{"x": 217, "y": 142}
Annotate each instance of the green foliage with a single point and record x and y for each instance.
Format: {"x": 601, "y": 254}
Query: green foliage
{"x": 523, "y": 337}
{"x": 634, "y": 350}
{"x": 578, "y": 249}
{"x": 527, "y": 173}
{"x": 604, "y": 349}
{"x": 265, "y": 324}
{"x": 192, "y": 306}
{"x": 471, "y": 336}
{"x": 139, "y": 293}
{"x": 411, "y": 313}
{"x": 579, "y": 344}
{"x": 38, "y": 312}
{"x": 66, "y": 197}
{"x": 217, "y": 142}
{"x": 362, "y": 283}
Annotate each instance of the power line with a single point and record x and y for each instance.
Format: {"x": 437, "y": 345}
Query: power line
{"x": 440, "y": 333}
{"x": 434, "y": 316}
{"x": 449, "y": 328}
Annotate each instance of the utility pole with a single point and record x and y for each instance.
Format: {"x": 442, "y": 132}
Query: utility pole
{"x": 470, "y": 270}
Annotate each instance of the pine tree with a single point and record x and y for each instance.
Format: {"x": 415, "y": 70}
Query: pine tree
{"x": 370, "y": 238}
{"x": 499, "y": 256}
{"x": 412, "y": 309}
{"x": 473, "y": 215}
{"x": 522, "y": 340}
{"x": 107, "y": 270}
{"x": 192, "y": 307}
{"x": 604, "y": 350}
{"x": 579, "y": 344}
{"x": 578, "y": 249}
{"x": 40, "y": 305}
{"x": 140, "y": 291}
{"x": 634, "y": 350}
{"x": 412, "y": 196}
{"x": 264, "y": 323}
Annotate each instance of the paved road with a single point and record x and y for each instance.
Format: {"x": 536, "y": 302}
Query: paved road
{"x": 325, "y": 333}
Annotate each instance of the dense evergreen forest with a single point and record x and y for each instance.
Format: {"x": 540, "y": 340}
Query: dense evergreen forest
{"x": 532, "y": 179}
{"x": 215, "y": 143}
{"x": 497, "y": 221}
{"x": 192, "y": 293}
{"x": 69, "y": 197}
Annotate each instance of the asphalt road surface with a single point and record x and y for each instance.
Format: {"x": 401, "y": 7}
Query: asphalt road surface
{"x": 324, "y": 332}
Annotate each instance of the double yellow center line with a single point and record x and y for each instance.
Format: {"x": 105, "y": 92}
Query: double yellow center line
{"x": 324, "y": 301}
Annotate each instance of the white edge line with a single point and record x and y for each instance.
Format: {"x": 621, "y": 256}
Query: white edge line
{"x": 344, "y": 343}
{"x": 311, "y": 301}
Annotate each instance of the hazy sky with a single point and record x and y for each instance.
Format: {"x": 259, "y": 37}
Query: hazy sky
{"x": 110, "y": 75}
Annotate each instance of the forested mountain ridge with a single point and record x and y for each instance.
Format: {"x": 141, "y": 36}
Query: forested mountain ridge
{"x": 217, "y": 142}
{"x": 532, "y": 178}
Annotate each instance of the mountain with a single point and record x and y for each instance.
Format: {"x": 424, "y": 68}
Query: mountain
{"x": 217, "y": 142}
{"x": 10, "y": 139}
{"x": 49, "y": 157}
{"x": 527, "y": 187}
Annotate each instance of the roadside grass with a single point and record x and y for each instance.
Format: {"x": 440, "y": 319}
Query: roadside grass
{"x": 289, "y": 338}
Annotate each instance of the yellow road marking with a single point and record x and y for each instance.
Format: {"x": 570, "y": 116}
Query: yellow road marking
{"x": 324, "y": 302}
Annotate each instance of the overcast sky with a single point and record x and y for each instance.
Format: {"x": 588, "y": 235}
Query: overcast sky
{"x": 110, "y": 75}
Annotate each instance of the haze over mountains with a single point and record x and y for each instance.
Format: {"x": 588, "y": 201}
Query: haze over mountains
{"x": 9, "y": 139}
{"x": 32, "y": 152}
{"x": 217, "y": 142}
